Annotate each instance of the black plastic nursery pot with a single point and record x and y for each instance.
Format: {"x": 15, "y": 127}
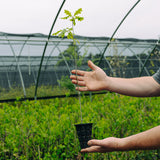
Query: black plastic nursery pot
{"x": 84, "y": 132}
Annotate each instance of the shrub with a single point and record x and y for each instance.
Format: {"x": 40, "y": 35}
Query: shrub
{"x": 45, "y": 129}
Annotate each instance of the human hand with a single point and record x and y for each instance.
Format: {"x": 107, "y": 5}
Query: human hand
{"x": 94, "y": 80}
{"x": 106, "y": 145}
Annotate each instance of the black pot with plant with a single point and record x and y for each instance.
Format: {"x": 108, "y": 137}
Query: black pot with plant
{"x": 84, "y": 130}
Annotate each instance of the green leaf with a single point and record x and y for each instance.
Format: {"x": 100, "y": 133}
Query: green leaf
{"x": 55, "y": 34}
{"x": 70, "y": 29}
{"x": 65, "y": 17}
{"x": 79, "y": 18}
{"x": 62, "y": 33}
{"x": 68, "y": 13}
{"x": 79, "y": 11}
{"x": 70, "y": 35}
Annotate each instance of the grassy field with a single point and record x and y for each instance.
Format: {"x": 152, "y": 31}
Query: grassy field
{"x": 45, "y": 129}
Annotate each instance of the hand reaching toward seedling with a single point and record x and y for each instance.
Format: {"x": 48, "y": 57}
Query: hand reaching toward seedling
{"x": 94, "y": 80}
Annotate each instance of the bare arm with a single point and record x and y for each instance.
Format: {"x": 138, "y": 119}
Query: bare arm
{"x": 149, "y": 139}
{"x": 97, "y": 80}
{"x": 146, "y": 140}
{"x": 138, "y": 87}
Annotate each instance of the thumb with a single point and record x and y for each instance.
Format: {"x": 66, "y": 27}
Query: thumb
{"x": 94, "y": 142}
{"x": 92, "y": 65}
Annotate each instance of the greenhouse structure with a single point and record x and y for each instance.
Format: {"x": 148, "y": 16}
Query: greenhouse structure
{"x": 21, "y": 56}
{"x": 31, "y": 62}
{"x": 44, "y": 114}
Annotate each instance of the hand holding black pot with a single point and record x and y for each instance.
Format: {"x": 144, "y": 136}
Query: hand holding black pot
{"x": 84, "y": 132}
{"x": 106, "y": 145}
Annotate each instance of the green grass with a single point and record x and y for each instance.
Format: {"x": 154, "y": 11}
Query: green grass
{"x": 45, "y": 129}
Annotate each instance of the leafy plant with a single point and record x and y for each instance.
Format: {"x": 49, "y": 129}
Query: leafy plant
{"x": 45, "y": 129}
{"x": 70, "y": 33}
{"x": 66, "y": 83}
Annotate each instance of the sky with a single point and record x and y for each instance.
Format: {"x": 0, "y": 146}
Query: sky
{"x": 101, "y": 17}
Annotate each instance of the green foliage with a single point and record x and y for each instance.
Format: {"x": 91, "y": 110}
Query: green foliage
{"x": 45, "y": 129}
{"x": 69, "y": 31}
{"x": 67, "y": 56}
{"x": 43, "y": 91}
{"x": 61, "y": 33}
{"x": 73, "y": 17}
{"x": 65, "y": 82}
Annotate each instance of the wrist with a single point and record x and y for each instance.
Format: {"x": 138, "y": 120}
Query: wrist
{"x": 108, "y": 83}
{"x": 124, "y": 144}
{"x": 121, "y": 144}
{"x": 129, "y": 143}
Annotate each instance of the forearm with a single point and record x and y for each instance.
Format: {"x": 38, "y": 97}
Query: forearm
{"x": 146, "y": 140}
{"x": 138, "y": 87}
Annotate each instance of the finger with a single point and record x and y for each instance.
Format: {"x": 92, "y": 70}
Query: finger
{"x": 82, "y": 89}
{"x": 95, "y": 142}
{"x": 91, "y": 149}
{"x": 79, "y": 78}
{"x": 78, "y": 72}
{"x": 80, "y": 83}
{"x": 92, "y": 65}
